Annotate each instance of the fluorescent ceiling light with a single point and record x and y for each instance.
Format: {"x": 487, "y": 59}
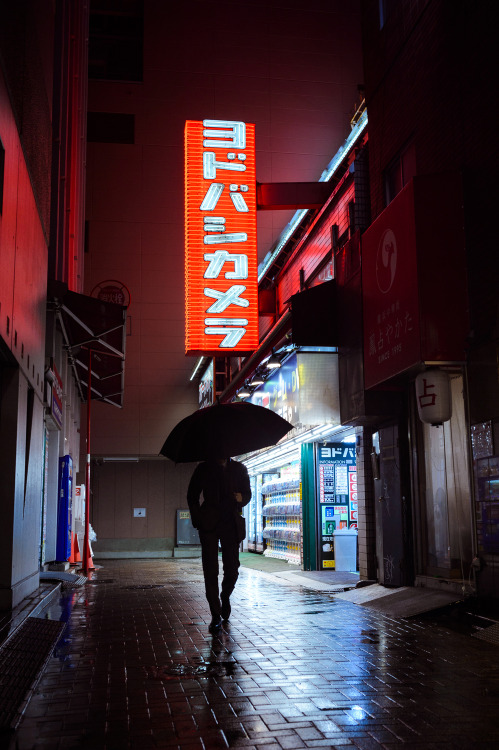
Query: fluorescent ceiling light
{"x": 120, "y": 459}
{"x": 349, "y": 439}
{"x": 196, "y": 367}
{"x": 290, "y": 449}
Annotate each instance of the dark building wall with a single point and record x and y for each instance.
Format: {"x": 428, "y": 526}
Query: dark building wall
{"x": 26, "y": 50}
{"x": 30, "y": 42}
{"x": 430, "y": 72}
{"x": 429, "y": 75}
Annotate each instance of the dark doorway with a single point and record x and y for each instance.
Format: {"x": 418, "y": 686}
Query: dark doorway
{"x": 392, "y": 507}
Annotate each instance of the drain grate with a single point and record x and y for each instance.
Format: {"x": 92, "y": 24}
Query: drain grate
{"x": 22, "y": 659}
{"x": 78, "y": 581}
{"x": 490, "y": 634}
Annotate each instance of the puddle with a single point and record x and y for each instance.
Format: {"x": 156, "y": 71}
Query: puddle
{"x": 199, "y": 668}
{"x": 96, "y": 582}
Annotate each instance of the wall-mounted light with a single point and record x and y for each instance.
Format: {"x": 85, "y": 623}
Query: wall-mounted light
{"x": 257, "y": 380}
{"x": 244, "y": 392}
{"x": 273, "y": 362}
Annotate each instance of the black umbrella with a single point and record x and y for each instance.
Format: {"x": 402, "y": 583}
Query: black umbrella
{"x": 224, "y": 430}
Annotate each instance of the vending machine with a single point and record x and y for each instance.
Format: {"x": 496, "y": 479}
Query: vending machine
{"x": 336, "y": 496}
{"x": 281, "y": 513}
{"x": 64, "y": 507}
{"x": 329, "y": 501}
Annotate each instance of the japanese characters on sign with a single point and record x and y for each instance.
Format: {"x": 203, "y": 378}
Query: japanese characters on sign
{"x": 434, "y": 396}
{"x": 393, "y": 325}
{"x": 220, "y": 237}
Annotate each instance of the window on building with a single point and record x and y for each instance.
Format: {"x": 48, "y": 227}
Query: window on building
{"x": 399, "y": 172}
{"x": 2, "y": 168}
{"x": 116, "y": 40}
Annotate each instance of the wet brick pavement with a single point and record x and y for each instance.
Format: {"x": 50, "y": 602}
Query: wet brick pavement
{"x": 295, "y": 668}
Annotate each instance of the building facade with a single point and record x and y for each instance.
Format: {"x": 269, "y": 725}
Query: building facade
{"x": 301, "y": 106}
{"x": 428, "y": 270}
{"x": 42, "y": 154}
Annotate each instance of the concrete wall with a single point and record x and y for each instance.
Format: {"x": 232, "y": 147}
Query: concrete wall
{"x": 117, "y": 488}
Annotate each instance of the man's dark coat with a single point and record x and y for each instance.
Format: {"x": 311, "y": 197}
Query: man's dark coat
{"x": 217, "y": 484}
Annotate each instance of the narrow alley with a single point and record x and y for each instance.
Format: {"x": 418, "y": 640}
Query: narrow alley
{"x": 136, "y": 667}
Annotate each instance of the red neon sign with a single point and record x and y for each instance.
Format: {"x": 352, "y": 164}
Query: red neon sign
{"x": 221, "y": 282}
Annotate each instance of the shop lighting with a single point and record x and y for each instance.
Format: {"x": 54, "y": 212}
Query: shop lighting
{"x": 244, "y": 392}
{"x": 257, "y": 380}
{"x": 196, "y": 368}
{"x": 349, "y": 439}
{"x": 290, "y": 449}
{"x": 120, "y": 459}
{"x": 273, "y": 362}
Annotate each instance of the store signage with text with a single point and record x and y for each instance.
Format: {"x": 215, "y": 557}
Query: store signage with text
{"x": 280, "y": 391}
{"x": 221, "y": 284}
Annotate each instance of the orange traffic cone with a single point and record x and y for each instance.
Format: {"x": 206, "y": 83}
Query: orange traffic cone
{"x": 75, "y": 550}
{"x": 87, "y": 562}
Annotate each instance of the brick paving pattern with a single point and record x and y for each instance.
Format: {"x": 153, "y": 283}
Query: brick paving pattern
{"x": 294, "y": 668}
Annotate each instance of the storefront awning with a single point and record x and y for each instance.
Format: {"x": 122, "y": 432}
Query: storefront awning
{"x": 313, "y": 316}
{"x": 89, "y": 324}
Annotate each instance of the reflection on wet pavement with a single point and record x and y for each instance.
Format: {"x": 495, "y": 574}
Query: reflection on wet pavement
{"x": 136, "y": 668}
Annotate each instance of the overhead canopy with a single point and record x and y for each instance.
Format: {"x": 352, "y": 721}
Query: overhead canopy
{"x": 88, "y": 324}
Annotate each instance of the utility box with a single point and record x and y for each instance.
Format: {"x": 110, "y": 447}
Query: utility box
{"x": 345, "y": 550}
{"x": 186, "y": 533}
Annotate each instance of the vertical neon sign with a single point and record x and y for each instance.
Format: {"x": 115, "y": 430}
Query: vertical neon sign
{"x": 221, "y": 286}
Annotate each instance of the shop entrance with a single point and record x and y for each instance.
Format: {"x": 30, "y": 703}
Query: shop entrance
{"x": 392, "y": 507}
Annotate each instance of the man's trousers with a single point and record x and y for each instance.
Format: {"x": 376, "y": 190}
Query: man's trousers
{"x": 230, "y": 561}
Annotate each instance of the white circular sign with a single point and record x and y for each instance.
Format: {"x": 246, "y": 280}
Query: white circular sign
{"x": 386, "y": 261}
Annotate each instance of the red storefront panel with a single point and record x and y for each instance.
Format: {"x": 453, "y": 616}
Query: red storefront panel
{"x": 414, "y": 280}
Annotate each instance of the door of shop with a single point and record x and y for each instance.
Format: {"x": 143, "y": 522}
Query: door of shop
{"x": 391, "y": 506}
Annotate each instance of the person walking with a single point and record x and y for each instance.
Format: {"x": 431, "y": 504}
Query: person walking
{"x": 225, "y": 486}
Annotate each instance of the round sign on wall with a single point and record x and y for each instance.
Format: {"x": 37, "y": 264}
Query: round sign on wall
{"x": 112, "y": 291}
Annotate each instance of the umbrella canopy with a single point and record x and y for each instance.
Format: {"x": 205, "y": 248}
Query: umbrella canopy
{"x": 224, "y": 430}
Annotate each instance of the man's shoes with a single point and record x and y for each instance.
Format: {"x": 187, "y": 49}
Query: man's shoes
{"x": 215, "y": 624}
{"x": 226, "y": 610}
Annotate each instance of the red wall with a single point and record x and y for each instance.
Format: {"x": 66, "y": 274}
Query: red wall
{"x": 23, "y": 257}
